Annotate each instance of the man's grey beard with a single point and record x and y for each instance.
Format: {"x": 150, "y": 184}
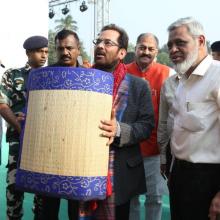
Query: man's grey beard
{"x": 183, "y": 67}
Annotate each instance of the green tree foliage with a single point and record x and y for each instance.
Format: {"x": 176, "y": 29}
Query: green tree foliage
{"x": 51, "y": 48}
{"x": 164, "y": 49}
{"x": 131, "y": 47}
{"x": 66, "y": 23}
{"x": 208, "y": 46}
{"x": 83, "y": 52}
{"x": 163, "y": 56}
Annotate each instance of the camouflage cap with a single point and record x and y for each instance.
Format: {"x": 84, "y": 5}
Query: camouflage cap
{"x": 35, "y": 42}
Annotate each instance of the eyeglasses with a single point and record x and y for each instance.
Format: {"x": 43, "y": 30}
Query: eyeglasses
{"x": 106, "y": 42}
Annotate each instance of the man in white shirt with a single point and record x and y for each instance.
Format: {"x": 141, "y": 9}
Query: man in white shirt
{"x": 195, "y": 140}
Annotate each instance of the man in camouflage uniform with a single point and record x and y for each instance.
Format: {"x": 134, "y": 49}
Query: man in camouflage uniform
{"x": 12, "y": 102}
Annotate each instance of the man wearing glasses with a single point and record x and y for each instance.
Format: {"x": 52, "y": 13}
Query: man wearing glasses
{"x": 146, "y": 67}
{"x": 132, "y": 121}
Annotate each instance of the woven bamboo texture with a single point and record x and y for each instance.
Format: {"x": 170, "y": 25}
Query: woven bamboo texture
{"x": 61, "y": 133}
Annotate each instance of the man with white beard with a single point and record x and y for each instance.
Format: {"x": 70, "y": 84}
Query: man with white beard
{"x": 195, "y": 141}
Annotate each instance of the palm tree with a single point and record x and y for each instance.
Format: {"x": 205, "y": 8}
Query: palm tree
{"x": 66, "y": 23}
{"x": 51, "y": 53}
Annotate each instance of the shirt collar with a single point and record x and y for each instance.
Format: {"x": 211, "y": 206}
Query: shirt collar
{"x": 203, "y": 66}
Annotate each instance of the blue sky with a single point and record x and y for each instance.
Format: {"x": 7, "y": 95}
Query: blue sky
{"x": 149, "y": 16}
{"x": 155, "y": 16}
{"x": 23, "y": 18}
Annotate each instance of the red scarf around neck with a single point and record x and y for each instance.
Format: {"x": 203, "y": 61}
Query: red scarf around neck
{"x": 119, "y": 74}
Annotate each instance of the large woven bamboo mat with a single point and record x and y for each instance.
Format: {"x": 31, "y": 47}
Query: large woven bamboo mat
{"x": 62, "y": 135}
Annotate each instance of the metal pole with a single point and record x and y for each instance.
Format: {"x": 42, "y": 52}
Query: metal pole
{"x": 94, "y": 19}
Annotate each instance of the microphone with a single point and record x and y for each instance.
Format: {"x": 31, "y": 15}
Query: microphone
{"x": 2, "y": 65}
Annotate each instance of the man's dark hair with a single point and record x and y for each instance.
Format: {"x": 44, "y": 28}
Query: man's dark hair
{"x": 129, "y": 58}
{"x": 215, "y": 47}
{"x": 146, "y": 35}
{"x": 65, "y": 33}
{"x": 123, "y": 36}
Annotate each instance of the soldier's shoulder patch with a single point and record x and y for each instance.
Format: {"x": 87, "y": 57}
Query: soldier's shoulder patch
{"x": 19, "y": 80}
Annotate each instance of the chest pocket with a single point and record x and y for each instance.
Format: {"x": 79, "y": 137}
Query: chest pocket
{"x": 195, "y": 117}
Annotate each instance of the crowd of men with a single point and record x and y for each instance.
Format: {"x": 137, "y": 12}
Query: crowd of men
{"x": 164, "y": 124}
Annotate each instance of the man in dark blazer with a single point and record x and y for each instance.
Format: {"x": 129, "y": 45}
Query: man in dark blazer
{"x": 132, "y": 120}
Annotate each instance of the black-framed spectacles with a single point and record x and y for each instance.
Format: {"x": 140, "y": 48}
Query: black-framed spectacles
{"x": 106, "y": 42}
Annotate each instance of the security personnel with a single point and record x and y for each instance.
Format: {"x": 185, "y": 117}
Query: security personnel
{"x": 215, "y": 47}
{"x": 12, "y": 101}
